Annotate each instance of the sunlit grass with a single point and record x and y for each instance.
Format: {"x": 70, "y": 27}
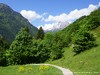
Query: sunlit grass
{"x": 85, "y": 63}
{"x": 29, "y": 70}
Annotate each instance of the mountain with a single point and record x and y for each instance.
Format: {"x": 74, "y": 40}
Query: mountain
{"x": 90, "y": 22}
{"x": 11, "y": 22}
{"x": 3, "y": 44}
{"x": 58, "y": 26}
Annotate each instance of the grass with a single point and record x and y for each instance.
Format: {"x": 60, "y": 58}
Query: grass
{"x": 88, "y": 61}
{"x": 29, "y": 70}
{"x": 85, "y": 63}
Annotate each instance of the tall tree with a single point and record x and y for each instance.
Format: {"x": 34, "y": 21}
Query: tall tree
{"x": 20, "y": 48}
{"x": 40, "y": 34}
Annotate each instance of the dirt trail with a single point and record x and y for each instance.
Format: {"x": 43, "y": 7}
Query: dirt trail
{"x": 64, "y": 70}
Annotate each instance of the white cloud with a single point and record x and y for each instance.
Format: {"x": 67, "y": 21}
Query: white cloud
{"x": 58, "y": 18}
{"x": 30, "y": 15}
{"x": 75, "y": 14}
{"x": 65, "y": 19}
{"x": 58, "y": 21}
{"x": 44, "y": 14}
{"x": 99, "y": 4}
{"x": 47, "y": 26}
{"x": 54, "y": 26}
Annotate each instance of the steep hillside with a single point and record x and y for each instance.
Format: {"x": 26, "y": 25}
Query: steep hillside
{"x": 3, "y": 43}
{"x": 87, "y": 62}
{"x": 84, "y": 23}
{"x": 11, "y": 22}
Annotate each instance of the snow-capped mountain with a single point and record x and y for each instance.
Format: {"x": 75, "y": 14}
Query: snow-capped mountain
{"x": 57, "y": 26}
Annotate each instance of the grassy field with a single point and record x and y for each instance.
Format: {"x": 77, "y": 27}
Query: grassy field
{"x": 29, "y": 70}
{"x": 85, "y": 63}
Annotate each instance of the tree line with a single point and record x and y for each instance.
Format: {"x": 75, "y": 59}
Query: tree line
{"x": 27, "y": 49}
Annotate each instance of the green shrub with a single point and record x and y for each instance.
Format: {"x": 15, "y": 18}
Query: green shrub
{"x": 83, "y": 40}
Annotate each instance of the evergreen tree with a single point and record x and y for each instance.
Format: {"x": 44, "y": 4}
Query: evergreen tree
{"x": 19, "y": 52}
{"x": 40, "y": 34}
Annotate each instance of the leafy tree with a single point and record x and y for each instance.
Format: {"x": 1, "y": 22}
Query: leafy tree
{"x": 40, "y": 51}
{"x": 46, "y": 49}
{"x": 56, "y": 52}
{"x": 93, "y": 23}
{"x": 53, "y": 44}
{"x": 40, "y": 34}
{"x": 83, "y": 40}
{"x": 61, "y": 39}
{"x": 19, "y": 51}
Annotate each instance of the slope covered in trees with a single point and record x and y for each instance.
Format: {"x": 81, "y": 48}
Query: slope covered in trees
{"x": 85, "y": 32}
{"x": 80, "y": 31}
{"x": 3, "y": 46}
{"x": 11, "y": 22}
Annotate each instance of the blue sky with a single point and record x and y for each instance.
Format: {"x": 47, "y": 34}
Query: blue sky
{"x": 46, "y": 12}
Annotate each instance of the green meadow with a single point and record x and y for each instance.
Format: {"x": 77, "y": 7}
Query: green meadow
{"x": 29, "y": 70}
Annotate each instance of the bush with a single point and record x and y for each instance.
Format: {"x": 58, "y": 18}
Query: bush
{"x": 83, "y": 40}
{"x": 19, "y": 51}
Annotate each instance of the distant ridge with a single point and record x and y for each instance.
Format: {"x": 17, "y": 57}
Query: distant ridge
{"x": 11, "y": 22}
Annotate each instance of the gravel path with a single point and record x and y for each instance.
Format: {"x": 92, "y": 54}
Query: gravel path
{"x": 64, "y": 70}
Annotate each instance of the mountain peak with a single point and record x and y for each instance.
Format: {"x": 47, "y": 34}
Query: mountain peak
{"x": 2, "y": 5}
{"x": 11, "y": 22}
{"x": 5, "y": 8}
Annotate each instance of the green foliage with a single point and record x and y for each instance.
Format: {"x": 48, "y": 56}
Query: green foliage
{"x": 52, "y": 42}
{"x": 3, "y": 46}
{"x": 3, "y": 43}
{"x": 19, "y": 51}
{"x": 39, "y": 50}
{"x": 94, "y": 20}
{"x": 46, "y": 49}
{"x": 40, "y": 34}
{"x": 79, "y": 31}
{"x": 11, "y": 22}
{"x": 56, "y": 52}
{"x": 85, "y": 62}
{"x": 61, "y": 39}
{"x": 24, "y": 49}
{"x": 83, "y": 40}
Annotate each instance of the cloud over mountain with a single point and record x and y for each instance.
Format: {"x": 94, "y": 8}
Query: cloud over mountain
{"x": 30, "y": 15}
{"x": 75, "y": 14}
{"x": 69, "y": 18}
{"x": 54, "y": 26}
{"x": 52, "y": 22}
